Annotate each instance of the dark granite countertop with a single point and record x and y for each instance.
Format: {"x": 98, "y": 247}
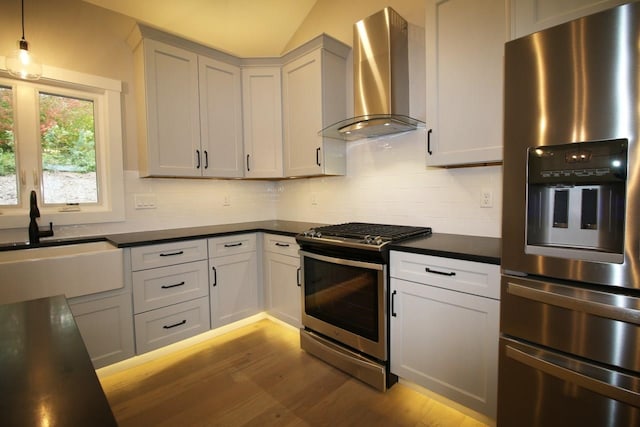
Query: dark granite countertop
{"x": 46, "y": 375}
{"x": 468, "y": 248}
{"x": 287, "y": 228}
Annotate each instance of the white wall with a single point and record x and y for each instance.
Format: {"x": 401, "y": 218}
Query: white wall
{"x": 387, "y": 182}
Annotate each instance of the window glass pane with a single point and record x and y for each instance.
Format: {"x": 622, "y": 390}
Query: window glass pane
{"x": 67, "y": 138}
{"x": 8, "y": 181}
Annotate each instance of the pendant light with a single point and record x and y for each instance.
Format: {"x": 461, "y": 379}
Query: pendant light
{"x": 21, "y": 62}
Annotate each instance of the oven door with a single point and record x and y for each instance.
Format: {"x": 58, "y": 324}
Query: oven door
{"x": 345, "y": 300}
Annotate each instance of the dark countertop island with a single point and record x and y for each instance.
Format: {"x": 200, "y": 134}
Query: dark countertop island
{"x": 46, "y": 375}
{"x": 467, "y": 248}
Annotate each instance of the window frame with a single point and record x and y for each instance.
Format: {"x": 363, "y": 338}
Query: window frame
{"x": 106, "y": 95}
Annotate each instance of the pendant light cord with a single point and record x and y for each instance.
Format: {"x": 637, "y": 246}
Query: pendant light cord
{"x": 22, "y": 2}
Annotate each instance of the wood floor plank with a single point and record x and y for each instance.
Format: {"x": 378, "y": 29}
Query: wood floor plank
{"x": 259, "y": 376}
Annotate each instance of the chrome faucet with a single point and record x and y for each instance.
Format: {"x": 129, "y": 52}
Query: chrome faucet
{"x": 34, "y": 230}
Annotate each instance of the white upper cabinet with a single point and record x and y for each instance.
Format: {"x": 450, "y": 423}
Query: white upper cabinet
{"x": 169, "y": 138}
{"x": 190, "y": 109}
{"x": 220, "y": 118}
{"x": 464, "y": 54}
{"x": 262, "y": 117}
{"x": 529, "y": 16}
{"x": 313, "y": 93}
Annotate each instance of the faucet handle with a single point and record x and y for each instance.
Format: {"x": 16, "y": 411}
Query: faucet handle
{"x": 34, "y": 212}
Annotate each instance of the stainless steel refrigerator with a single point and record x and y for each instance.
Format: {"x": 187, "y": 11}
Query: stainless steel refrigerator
{"x": 570, "y": 290}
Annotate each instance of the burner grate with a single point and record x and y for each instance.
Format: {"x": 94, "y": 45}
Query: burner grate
{"x": 360, "y": 230}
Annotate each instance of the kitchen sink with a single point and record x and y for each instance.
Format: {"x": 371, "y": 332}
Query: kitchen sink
{"x": 72, "y": 270}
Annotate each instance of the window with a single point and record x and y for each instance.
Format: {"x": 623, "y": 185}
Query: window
{"x": 61, "y": 136}
{"x": 8, "y": 183}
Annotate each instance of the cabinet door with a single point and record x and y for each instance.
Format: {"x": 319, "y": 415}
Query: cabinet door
{"x": 172, "y": 108}
{"x": 529, "y": 16}
{"x": 234, "y": 288}
{"x": 220, "y": 119}
{"x": 302, "y": 102}
{"x": 282, "y": 285}
{"x": 262, "y": 106}
{"x": 106, "y": 326}
{"x": 464, "y": 50}
{"x": 447, "y": 342}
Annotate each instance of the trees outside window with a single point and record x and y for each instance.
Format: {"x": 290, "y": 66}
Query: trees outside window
{"x": 62, "y": 137}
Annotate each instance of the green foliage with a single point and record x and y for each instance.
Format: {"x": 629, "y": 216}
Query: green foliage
{"x": 67, "y": 134}
{"x": 7, "y": 148}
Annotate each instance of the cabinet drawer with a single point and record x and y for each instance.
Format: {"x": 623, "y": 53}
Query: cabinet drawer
{"x": 475, "y": 278}
{"x": 161, "y": 255}
{"x": 157, "y": 328}
{"x": 163, "y": 286}
{"x": 284, "y": 245}
{"x": 229, "y": 245}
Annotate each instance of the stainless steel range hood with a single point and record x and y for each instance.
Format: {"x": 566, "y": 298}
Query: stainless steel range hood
{"x": 381, "y": 80}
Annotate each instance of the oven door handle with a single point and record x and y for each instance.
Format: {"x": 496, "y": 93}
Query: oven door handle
{"x": 588, "y": 302}
{"x": 606, "y": 382}
{"x": 342, "y": 261}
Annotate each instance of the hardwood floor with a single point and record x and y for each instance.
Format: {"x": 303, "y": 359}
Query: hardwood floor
{"x": 258, "y": 376}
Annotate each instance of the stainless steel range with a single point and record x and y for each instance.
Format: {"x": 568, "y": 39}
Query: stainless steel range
{"x": 345, "y": 296}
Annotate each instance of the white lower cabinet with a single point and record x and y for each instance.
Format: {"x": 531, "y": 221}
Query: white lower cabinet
{"x": 233, "y": 274}
{"x": 105, "y": 322}
{"x": 281, "y": 264}
{"x": 444, "y": 339}
{"x": 163, "y": 326}
{"x": 170, "y": 293}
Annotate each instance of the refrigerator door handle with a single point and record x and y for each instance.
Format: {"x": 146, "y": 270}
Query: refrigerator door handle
{"x": 587, "y": 303}
{"x": 599, "y": 380}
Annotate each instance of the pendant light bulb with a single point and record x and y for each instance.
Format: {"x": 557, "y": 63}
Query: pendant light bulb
{"x": 21, "y": 63}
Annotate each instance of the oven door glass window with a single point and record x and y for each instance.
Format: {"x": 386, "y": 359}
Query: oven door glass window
{"x": 343, "y": 295}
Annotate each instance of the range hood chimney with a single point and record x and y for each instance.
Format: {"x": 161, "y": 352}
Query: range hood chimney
{"x": 381, "y": 80}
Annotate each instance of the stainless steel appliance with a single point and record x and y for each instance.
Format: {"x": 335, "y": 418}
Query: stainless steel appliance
{"x": 570, "y": 303}
{"x": 381, "y": 80}
{"x": 345, "y": 296}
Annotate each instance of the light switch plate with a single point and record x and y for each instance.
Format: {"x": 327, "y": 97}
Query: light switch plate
{"x": 145, "y": 201}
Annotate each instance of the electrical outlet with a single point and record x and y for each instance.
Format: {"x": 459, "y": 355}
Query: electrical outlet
{"x": 226, "y": 200}
{"x": 486, "y": 199}
{"x": 145, "y": 201}
{"x": 314, "y": 198}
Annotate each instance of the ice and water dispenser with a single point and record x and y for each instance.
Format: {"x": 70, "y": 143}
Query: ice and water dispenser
{"x": 576, "y": 200}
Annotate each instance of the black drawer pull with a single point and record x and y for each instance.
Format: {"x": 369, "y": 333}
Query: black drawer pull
{"x": 173, "y": 253}
{"x": 175, "y": 325}
{"x": 172, "y": 286}
{"x": 393, "y": 303}
{"x": 232, "y": 245}
{"x": 282, "y": 245}
{"x": 442, "y": 273}
{"x": 429, "y": 142}
{"x": 215, "y": 276}
{"x": 298, "y": 276}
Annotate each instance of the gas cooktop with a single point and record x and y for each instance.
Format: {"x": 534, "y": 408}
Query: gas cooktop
{"x": 360, "y": 234}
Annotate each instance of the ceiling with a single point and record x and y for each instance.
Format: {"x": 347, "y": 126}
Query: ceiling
{"x": 245, "y": 28}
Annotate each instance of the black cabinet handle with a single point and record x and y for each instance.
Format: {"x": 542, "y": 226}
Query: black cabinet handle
{"x": 282, "y": 245}
{"x": 248, "y": 168}
{"x": 232, "y": 245}
{"x": 197, "y": 159}
{"x": 318, "y": 156}
{"x": 172, "y": 286}
{"x": 393, "y": 303}
{"x": 442, "y": 273}
{"x": 175, "y": 325}
{"x": 215, "y": 276}
{"x": 173, "y": 253}
{"x": 429, "y": 141}
{"x": 298, "y": 276}
{"x": 206, "y": 159}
